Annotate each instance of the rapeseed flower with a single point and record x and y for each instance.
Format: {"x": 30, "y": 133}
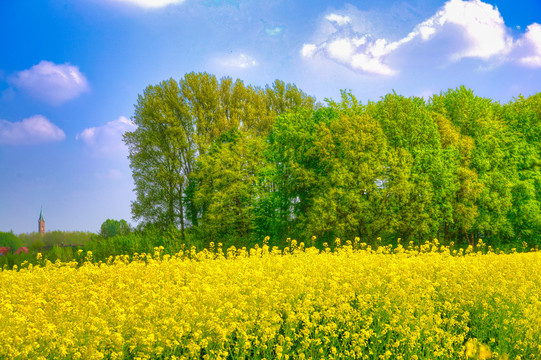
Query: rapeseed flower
{"x": 353, "y": 301}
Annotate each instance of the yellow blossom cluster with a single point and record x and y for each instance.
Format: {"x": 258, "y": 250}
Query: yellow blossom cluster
{"x": 351, "y": 302}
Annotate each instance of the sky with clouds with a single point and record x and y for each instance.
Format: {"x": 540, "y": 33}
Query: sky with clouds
{"x": 71, "y": 71}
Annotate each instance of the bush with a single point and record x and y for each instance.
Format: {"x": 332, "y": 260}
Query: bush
{"x": 9, "y": 239}
{"x": 59, "y": 238}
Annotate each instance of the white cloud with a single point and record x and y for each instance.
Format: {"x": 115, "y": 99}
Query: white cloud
{"x": 473, "y": 28}
{"x": 370, "y": 64}
{"x": 338, "y": 19}
{"x": 359, "y": 52}
{"x": 341, "y": 49}
{"x": 308, "y": 50}
{"x": 241, "y": 61}
{"x": 149, "y": 4}
{"x": 481, "y": 24}
{"x": 33, "y": 130}
{"x": 50, "y": 82}
{"x": 106, "y": 140}
{"x": 531, "y": 42}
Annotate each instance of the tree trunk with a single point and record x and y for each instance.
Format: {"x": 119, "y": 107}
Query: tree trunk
{"x": 182, "y": 217}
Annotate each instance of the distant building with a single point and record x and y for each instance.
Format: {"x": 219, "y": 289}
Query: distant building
{"x": 41, "y": 223}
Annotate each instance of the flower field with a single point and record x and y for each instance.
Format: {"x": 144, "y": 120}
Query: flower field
{"x": 353, "y": 302}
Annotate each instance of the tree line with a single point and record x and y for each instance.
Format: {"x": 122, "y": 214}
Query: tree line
{"x": 230, "y": 163}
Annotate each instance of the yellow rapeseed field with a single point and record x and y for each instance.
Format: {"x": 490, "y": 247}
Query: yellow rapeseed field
{"x": 353, "y": 302}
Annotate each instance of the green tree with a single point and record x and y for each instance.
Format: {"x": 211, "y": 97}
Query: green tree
{"x": 292, "y": 179}
{"x": 9, "y": 239}
{"x": 110, "y": 228}
{"x": 462, "y": 188}
{"x": 523, "y": 117}
{"x": 227, "y": 179}
{"x": 56, "y": 237}
{"x": 180, "y": 122}
{"x": 352, "y": 175}
{"x": 236, "y": 161}
{"x": 161, "y": 155}
{"x": 491, "y": 159}
{"x": 416, "y": 171}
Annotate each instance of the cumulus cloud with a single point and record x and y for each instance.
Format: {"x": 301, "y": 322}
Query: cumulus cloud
{"x": 149, "y": 4}
{"x": 33, "y": 130}
{"x": 308, "y": 50}
{"x": 531, "y": 43}
{"x": 106, "y": 140}
{"x": 460, "y": 29}
{"x": 339, "y": 20}
{"x": 240, "y": 61}
{"x": 51, "y": 82}
{"x": 480, "y": 24}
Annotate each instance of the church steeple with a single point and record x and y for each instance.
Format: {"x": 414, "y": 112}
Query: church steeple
{"x": 41, "y": 223}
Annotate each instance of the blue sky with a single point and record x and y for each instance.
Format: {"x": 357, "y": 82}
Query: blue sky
{"x": 71, "y": 71}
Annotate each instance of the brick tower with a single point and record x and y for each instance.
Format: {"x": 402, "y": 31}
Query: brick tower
{"x": 41, "y": 223}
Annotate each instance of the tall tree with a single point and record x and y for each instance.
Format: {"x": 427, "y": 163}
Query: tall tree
{"x": 480, "y": 119}
{"x": 161, "y": 154}
{"x": 415, "y": 164}
{"x": 178, "y": 123}
{"x": 461, "y": 186}
{"x": 350, "y": 149}
{"x": 523, "y": 117}
{"x": 228, "y": 186}
{"x": 293, "y": 175}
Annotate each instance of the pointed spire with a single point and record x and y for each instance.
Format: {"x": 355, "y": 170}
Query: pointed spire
{"x": 41, "y": 222}
{"x": 41, "y": 215}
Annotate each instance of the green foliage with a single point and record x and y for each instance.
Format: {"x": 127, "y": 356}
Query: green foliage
{"x": 55, "y": 238}
{"x": 230, "y": 163}
{"x": 176, "y": 150}
{"x": 523, "y": 117}
{"x": 161, "y": 154}
{"x": 111, "y": 228}
{"x": 139, "y": 242}
{"x": 9, "y": 239}
{"x": 228, "y": 186}
{"x": 102, "y": 248}
{"x": 53, "y": 245}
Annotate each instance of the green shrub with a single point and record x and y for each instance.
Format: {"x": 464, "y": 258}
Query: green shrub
{"x": 9, "y": 239}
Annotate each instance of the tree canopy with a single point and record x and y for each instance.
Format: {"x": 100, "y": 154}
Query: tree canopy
{"x": 111, "y": 227}
{"x": 9, "y": 239}
{"x": 234, "y": 163}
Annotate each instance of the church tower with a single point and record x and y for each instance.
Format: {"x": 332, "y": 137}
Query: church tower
{"x": 41, "y": 223}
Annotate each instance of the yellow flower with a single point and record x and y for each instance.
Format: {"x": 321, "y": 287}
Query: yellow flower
{"x": 263, "y": 302}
